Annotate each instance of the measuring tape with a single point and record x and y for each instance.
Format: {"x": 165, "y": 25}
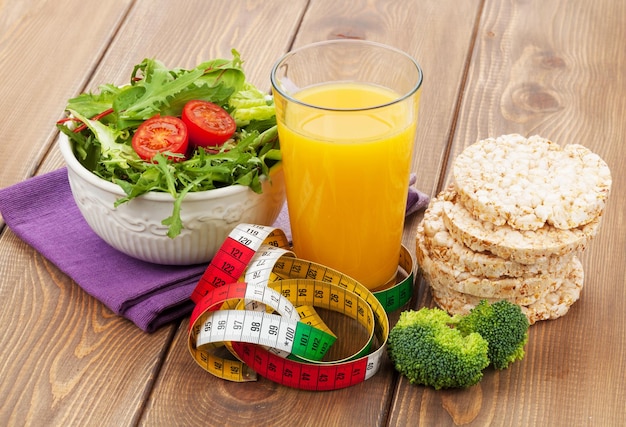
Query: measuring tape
{"x": 256, "y": 301}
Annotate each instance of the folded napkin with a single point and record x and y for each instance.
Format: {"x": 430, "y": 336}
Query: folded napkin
{"x": 42, "y": 212}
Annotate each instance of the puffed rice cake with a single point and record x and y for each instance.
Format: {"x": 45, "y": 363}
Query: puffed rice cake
{"x": 551, "y": 306}
{"x": 524, "y": 290}
{"x": 442, "y": 245}
{"x": 522, "y": 246}
{"x": 529, "y": 182}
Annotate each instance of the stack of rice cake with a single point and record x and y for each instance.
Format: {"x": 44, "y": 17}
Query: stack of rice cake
{"x": 511, "y": 225}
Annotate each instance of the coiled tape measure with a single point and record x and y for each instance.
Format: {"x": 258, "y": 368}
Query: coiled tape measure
{"x": 256, "y": 301}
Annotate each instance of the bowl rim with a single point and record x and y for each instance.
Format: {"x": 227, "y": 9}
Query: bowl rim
{"x": 72, "y": 162}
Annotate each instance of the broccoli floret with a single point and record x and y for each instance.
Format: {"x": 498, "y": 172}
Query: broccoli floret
{"x": 503, "y": 325}
{"x": 427, "y": 350}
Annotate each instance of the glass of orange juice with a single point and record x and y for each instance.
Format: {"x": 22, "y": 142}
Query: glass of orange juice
{"x": 347, "y": 113}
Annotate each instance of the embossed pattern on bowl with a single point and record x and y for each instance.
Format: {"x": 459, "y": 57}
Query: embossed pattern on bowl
{"x": 135, "y": 228}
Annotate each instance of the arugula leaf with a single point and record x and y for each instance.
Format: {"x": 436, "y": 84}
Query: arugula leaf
{"x": 159, "y": 89}
{"x": 107, "y": 136}
{"x": 166, "y": 92}
{"x": 89, "y": 104}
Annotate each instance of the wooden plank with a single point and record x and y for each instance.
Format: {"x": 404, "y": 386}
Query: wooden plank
{"x": 186, "y": 395}
{"x": 55, "y": 338}
{"x": 72, "y": 362}
{"x": 45, "y": 58}
{"x": 66, "y": 358}
{"x": 59, "y": 372}
{"x": 554, "y": 69}
{"x": 186, "y": 33}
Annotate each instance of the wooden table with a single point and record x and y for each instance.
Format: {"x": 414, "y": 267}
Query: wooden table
{"x": 554, "y": 68}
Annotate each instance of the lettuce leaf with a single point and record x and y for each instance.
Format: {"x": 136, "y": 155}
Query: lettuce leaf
{"x": 250, "y": 104}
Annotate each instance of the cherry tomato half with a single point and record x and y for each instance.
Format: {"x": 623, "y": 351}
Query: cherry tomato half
{"x": 159, "y": 134}
{"x": 208, "y": 124}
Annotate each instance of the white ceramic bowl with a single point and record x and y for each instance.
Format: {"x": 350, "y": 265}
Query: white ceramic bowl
{"x": 135, "y": 227}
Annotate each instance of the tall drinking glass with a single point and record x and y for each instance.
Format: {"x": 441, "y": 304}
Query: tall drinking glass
{"x": 347, "y": 113}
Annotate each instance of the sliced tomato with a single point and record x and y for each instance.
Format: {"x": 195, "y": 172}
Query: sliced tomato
{"x": 208, "y": 124}
{"x": 159, "y": 134}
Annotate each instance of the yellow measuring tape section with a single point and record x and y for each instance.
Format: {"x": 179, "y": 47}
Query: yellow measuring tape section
{"x": 256, "y": 302}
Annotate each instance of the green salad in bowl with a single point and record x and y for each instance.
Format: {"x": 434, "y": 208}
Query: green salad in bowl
{"x": 175, "y": 131}
{"x": 164, "y": 167}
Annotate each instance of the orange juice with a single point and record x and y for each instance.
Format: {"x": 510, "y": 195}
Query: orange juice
{"x": 347, "y": 165}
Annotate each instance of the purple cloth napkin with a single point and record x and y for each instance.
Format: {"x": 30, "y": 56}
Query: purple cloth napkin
{"x": 416, "y": 200}
{"x": 42, "y": 212}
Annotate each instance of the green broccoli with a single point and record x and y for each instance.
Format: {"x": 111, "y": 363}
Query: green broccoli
{"x": 503, "y": 325}
{"x": 432, "y": 348}
{"x": 427, "y": 350}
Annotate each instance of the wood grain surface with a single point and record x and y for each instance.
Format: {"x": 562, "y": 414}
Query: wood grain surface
{"x": 553, "y": 68}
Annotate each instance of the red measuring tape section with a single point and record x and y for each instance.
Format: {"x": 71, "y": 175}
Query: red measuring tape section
{"x": 256, "y": 301}
{"x": 234, "y": 255}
